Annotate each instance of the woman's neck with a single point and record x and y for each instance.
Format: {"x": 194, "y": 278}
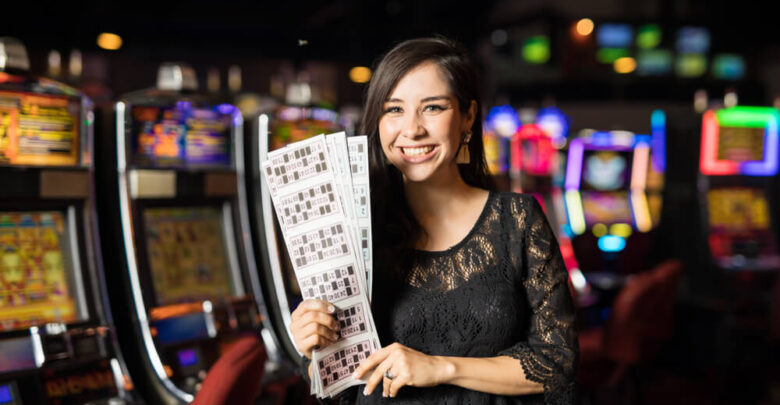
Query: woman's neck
{"x": 439, "y": 205}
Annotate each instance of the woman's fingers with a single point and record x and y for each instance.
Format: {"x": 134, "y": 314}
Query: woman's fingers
{"x": 313, "y": 305}
{"x": 314, "y": 325}
{"x": 377, "y": 376}
{"x": 370, "y": 363}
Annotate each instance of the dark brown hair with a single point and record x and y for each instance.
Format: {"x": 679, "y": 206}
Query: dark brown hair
{"x": 395, "y": 228}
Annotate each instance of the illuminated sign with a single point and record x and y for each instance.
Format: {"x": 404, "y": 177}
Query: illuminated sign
{"x": 740, "y": 140}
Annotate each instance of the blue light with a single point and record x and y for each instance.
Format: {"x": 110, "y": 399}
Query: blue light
{"x": 226, "y": 109}
{"x": 614, "y": 35}
{"x": 5, "y": 394}
{"x": 658, "y": 123}
{"x": 187, "y": 357}
{"x": 693, "y": 40}
{"x": 601, "y": 138}
{"x": 612, "y": 243}
{"x": 553, "y": 120}
{"x": 566, "y": 231}
{"x": 504, "y": 120}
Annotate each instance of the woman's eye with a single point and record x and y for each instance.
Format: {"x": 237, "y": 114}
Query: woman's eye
{"x": 434, "y": 108}
{"x": 393, "y": 109}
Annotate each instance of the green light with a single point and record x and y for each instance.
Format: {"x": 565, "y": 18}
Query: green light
{"x": 744, "y": 116}
{"x": 691, "y": 65}
{"x": 610, "y": 55}
{"x": 536, "y": 49}
{"x": 648, "y": 36}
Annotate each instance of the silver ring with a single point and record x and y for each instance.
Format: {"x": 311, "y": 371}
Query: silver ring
{"x": 389, "y": 375}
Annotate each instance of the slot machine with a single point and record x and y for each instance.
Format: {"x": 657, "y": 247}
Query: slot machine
{"x": 57, "y": 337}
{"x": 612, "y": 193}
{"x": 738, "y": 169}
{"x": 174, "y": 191}
{"x": 273, "y": 130}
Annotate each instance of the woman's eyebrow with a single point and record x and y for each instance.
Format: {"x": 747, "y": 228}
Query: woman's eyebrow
{"x": 425, "y": 100}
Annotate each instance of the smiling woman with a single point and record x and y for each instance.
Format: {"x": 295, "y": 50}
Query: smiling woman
{"x": 471, "y": 299}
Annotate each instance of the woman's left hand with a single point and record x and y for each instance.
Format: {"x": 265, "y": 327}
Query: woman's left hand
{"x": 406, "y": 367}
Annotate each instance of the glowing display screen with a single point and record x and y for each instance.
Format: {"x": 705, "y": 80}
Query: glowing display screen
{"x": 741, "y": 144}
{"x": 606, "y": 208}
{"x": 40, "y": 130}
{"x": 35, "y": 273}
{"x": 606, "y": 170}
{"x": 187, "y": 254}
{"x": 737, "y": 209}
{"x": 180, "y": 136}
{"x": 5, "y": 394}
{"x": 294, "y": 124}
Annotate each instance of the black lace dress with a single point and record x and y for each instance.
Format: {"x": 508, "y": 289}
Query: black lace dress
{"x": 501, "y": 291}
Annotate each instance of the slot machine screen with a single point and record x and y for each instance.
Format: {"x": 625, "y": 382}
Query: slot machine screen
{"x": 606, "y": 170}
{"x": 36, "y": 270}
{"x": 41, "y": 130}
{"x": 187, "y": 254}
{"x": 741, "y": 144}
{"x": 294, "y": 124}
{"x": 180, "y": 136}
{"x": 737, "y": 210}
{"x": 606, "y": 208}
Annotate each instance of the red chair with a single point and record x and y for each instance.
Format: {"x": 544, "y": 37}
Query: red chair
{"x": 640, "y": 321}
{"x": 235, "y": 378}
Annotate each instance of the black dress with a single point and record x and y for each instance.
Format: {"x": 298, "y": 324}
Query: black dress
{"x": 501, "y": 291}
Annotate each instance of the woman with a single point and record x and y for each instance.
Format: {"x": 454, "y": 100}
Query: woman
{"x": 471, "y": 299}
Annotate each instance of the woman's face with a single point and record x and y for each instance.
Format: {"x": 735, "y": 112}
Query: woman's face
{"x": 422, "y": 126}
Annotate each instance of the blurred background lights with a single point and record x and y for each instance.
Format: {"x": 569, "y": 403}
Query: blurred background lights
{"x": 536, "y": 49}
{"x": 504, "y": 120}
{"x": 648, "y": 36}
{"x": 360, "y": 74}
{"x": 625, "y": 65}
{"x": 585, "y": 27}
{"x": 109, "y": 41}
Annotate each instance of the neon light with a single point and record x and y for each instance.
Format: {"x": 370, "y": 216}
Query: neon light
{"x": 611, "y": 243}
{"x": 554, "y": 122}
{"x": 599, "y": 230}
{"x": 708, "y": 163}
{"x": 577, "y": 279}
{"x": 754, "y": 117}
{"x": 622, "y": 230}
{"x": 639, "y": 169}
{"x": 504, "y": 120}
{"x": 644, "y": 223}
{"x": 574, "y": 211}
{"x": 601, "y": 138}
{"x": 658, "y": 125}
{"x": 539, "y": 161}
{"x": 574, "y": 164}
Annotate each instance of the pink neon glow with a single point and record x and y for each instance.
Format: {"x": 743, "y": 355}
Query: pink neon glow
{"x": 574, "y": 164}
{"x": 639, "y": 171}
{"x": 539, "y": 160}
{"x": 709, "y": 163}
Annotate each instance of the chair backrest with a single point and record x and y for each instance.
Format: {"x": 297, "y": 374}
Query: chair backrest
{"x": 642, "y": 314}
{"x": 235, "y": 378}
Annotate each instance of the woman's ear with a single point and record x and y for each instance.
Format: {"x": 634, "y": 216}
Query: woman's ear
{"x": 468, "y": 118}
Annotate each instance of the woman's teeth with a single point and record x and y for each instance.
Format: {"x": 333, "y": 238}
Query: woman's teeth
{"x": 417, "y": 151}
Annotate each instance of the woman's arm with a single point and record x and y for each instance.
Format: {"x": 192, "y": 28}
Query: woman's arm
{"x": 500, "y": 375}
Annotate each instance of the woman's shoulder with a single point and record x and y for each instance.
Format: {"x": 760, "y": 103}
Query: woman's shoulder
{"x": 518, "y": 203}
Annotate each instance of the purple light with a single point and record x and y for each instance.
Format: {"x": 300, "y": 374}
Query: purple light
{"x": 187, "y": 357}
{"x": 183, "y": 105}
{"x": 769, "y": 165}
{"x": 574, "y": 164}
{"x": 226, "y": 109}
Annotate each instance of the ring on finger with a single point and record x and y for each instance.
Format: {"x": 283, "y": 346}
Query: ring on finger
{"x": 389, "y": 374}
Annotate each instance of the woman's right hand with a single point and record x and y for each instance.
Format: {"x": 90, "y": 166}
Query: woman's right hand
{"x": 314, "y": 326}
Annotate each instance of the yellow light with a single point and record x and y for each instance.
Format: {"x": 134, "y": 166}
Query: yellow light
{"x": 625, "y": 65}
{"x": 360, "y": 74}
{"x": 644, "y": 223}
{"x": 574, "y": 209}
{"x": 585, "y": 27}
{"x": 622, "y": 230}
{"x": 109, "y": 41}
{"x": 599, "y": 230}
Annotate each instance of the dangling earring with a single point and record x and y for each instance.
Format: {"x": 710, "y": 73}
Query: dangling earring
{"x": 464, "y": 157}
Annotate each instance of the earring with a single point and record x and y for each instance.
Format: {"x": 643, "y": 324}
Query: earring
{"x": 464, "y": 157}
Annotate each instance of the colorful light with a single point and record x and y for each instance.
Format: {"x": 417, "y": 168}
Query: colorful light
{"x": 691, "y": 65}
{"x": 360, "y": 74}
{"x": 532, "y": 151}
{"x": 585, "y": 27}
{"x": 536, "y": 49}
{"x": 642, "y": 218}
{"x": 574, "y": 165}
{"x": 752, "y": 117}
{"x": 648, "y": 36}
{"x": 624, "y": 65}
{"x": 654, "y": 62}
{"x": 599, "y": 230}
{"x": 574, "y": 211}
{"x": 504, "y": 120}
{"x": 728, "y": 67}
{"x": 622, "y": 230}
{"x": 614, "y": 35}
{"x": 611, "y": 243}
{"x": 658, "y": 125}
{"x": 109, "y": 41}
{"x": 610, "y": 55}
{"x": 555, "y": 123}
{"x": 640, "y": 166}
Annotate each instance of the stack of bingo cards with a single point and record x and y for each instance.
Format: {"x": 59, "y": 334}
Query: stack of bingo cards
{"x": 320, "y": 190}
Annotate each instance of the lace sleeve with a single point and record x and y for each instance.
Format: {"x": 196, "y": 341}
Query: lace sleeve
{"x": 550, "y": 353}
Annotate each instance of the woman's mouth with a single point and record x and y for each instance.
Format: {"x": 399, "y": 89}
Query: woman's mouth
{"x": 417, "y": 154}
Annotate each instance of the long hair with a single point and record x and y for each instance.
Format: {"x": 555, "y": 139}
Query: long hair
{"x": 395, "y": 228}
